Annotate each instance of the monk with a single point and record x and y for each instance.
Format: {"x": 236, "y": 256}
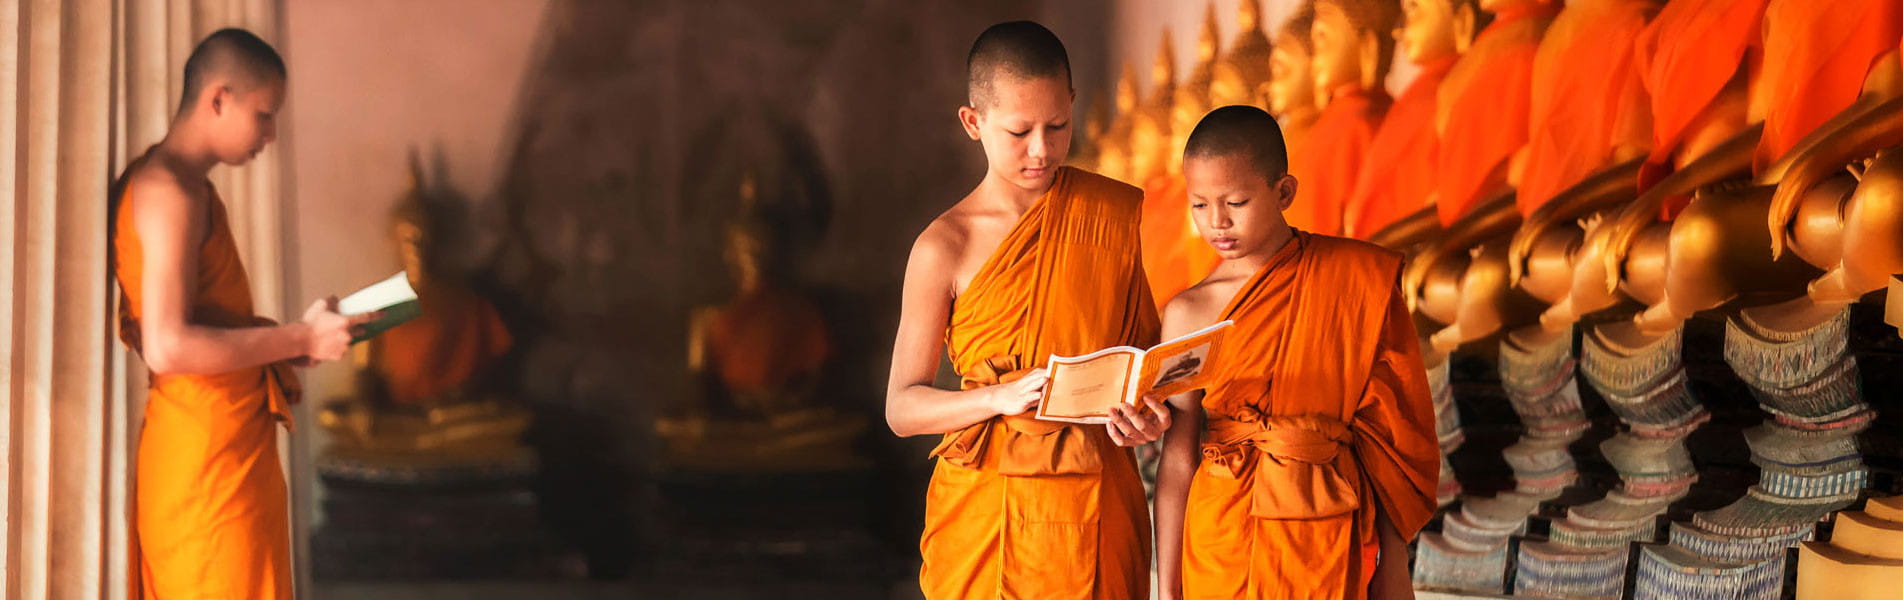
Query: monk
{"x": 1398, "y": 176}
{"x": 211, "y": 514}
{"x": 1037, "y": 260}
{"x": 1353, "y": 43}
{"x": 1312, "y": 459}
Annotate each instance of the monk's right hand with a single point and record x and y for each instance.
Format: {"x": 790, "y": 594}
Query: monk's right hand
{"x": 1021, "y": 395}
{"x": 329, "y": 331}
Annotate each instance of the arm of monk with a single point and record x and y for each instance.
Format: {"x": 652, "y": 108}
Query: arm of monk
{"x": 1396, "y": 445}
{"x": 912, "y": 405}
{"x": 1181, "y": 454}
{"x": 171, "y": 227}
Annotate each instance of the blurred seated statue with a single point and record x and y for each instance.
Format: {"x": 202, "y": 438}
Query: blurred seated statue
{"x": 424, "y": 394}
{"x": 756, "y": 363}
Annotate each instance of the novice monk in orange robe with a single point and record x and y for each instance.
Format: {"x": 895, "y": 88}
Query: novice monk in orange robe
{"x": 1484, "y": 104}
{"x": 1038, "y": 260}
{"x": 1312, "y": 458}
{"x": 211, "y": 516}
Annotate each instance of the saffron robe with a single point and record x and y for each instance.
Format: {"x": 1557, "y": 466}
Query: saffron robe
{"x": 1683, "y": 80}
{"x": 1022, "y": 508}
{"x": 1824, "y": 51}
{"x": 1397, "y": 172}
{"x": 1484, "y": 104}
{"x": 1588, "y": 97}
{"x": 1338, "y": 144}
{"x": 211, "y": 516}
{"x": 1318, "y": 414}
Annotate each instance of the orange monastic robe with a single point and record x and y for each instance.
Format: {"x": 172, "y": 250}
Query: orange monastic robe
{"x": 1319, "y": 412}
{"x": 1588, "y": 98}
{"x": 211, "y": 516}
{"x": 1174, "y": 254}
{"x": 1484, "y": 103}
{"x": 768, "y": 339}
{"x": 1823, "y": 51}
{"x": 1397, "y": 173}
{"x": 1338, "y": 143}
{"x": 1022, "y": 508}
{"x": 1684, "y": 80}
{"x": 423, "y": 359}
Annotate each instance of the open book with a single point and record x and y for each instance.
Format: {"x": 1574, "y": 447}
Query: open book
{"x": 1083, "y": 388}
{"x": 393, "y": 296}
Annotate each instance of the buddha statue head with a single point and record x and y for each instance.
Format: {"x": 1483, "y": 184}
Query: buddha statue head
{"x": 413, "y": 229}
{"x": 1291, "y": 68}
{"x": 1242, "y": 74}
{"x": 1150, "y": 123}
{"x": 750, "y": 241}
{"x": 1113, "y": 149}
{"x": 1353, "y": 45}
{"x": 1436, "y": 30}
{"x": 1192, "y": 99}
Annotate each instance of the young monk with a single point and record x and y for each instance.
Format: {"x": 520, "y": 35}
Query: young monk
{"x": 211, "y": 518}
{"x": 1311, "y": 459}
{"x": 1038, "y": 260}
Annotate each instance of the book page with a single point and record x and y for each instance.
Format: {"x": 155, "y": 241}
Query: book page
{"x": 1182, "y": 364}
{"x": 1083, "y": 389}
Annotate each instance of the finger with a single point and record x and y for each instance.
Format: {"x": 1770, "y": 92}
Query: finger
{"x": 330, "y": 303}
{"x": 1115, "y": 436}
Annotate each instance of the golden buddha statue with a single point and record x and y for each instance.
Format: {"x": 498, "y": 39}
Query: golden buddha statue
{"x": 1352, "y": 42}
{"x": 1191, "y": 100}
{"x": 1150, "y": 123}
{"x": 1432, "y": 35}
{"x": 422, "y": 398}
{"x": 756, "y": 361}
{"x": 1241, "y": 75}
{"x": 1291, "y": 88}
{"x": 1086, "y": 149}
{"x": 1113, "y": 151}
{"x": 1719, "y": 251}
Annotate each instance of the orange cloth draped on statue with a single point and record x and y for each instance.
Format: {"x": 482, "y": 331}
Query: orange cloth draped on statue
{"x": 1338, "y": 143}
{"x": 767, "y": 339}
{"x": 1823, "y": 51}
{"x": 1683, "y": 79}
{"x": 1483, "y": 108}
{"x": 1022, "y": 508}
{"x": 457, "y": 334}
{"x": 1588, "y": 97}
{"x": 1397, "y": 173}
{"x": 1174, "y": 254}
{"x": 210, "y": 512}
{"x": 1318, "y": 413}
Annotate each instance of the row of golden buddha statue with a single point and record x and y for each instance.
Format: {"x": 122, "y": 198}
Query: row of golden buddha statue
{"x": 1589, "y": 174}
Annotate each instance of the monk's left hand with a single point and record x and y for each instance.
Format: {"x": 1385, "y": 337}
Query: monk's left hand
{"x": 1138, "y": 425}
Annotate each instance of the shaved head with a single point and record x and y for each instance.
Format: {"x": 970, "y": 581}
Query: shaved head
{"x": 230, "y": 55}
{"x": 1244, "y": 131}
{"x": 1018, "y": 49}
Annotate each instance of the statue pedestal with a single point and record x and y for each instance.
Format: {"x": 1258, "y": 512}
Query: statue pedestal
{"x": 434, "y": 517}
{"x": 779, "y": 526}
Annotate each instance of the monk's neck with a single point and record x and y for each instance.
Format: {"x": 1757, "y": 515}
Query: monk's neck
{"x": 186, "y": 151}
{"x": 1006, "y": 195}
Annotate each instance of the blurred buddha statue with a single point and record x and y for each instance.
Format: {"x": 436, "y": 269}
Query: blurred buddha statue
{"x": 1241, "y": 75}
{"x": 757, "y": 361}
{"x": 1291, "y": 87}
{"x": 1086, "y": 150}
{"x": 424, "y": 393}
{"x": 1150, "y": 123}
{"x": 1113, "y": 149}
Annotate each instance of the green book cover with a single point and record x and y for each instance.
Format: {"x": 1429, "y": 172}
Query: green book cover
{"x": 393, "y": 296}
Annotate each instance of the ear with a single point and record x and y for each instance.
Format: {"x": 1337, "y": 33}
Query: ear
{"x": 1466, "y": 22}
{"x": 1287, "y": 186}
{"x": 1370, "y": 61}
{"x": 219, "y": 99}
{"x": 969, "y": 117}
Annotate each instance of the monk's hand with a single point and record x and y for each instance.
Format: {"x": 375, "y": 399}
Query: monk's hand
{"x": 329, "y": 332}
{"x": 1021, "y": 395}
{"x": 1138, "y": 425}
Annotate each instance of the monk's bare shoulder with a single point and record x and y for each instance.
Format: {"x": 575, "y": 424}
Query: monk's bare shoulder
{"x": 1194, "y": 308}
